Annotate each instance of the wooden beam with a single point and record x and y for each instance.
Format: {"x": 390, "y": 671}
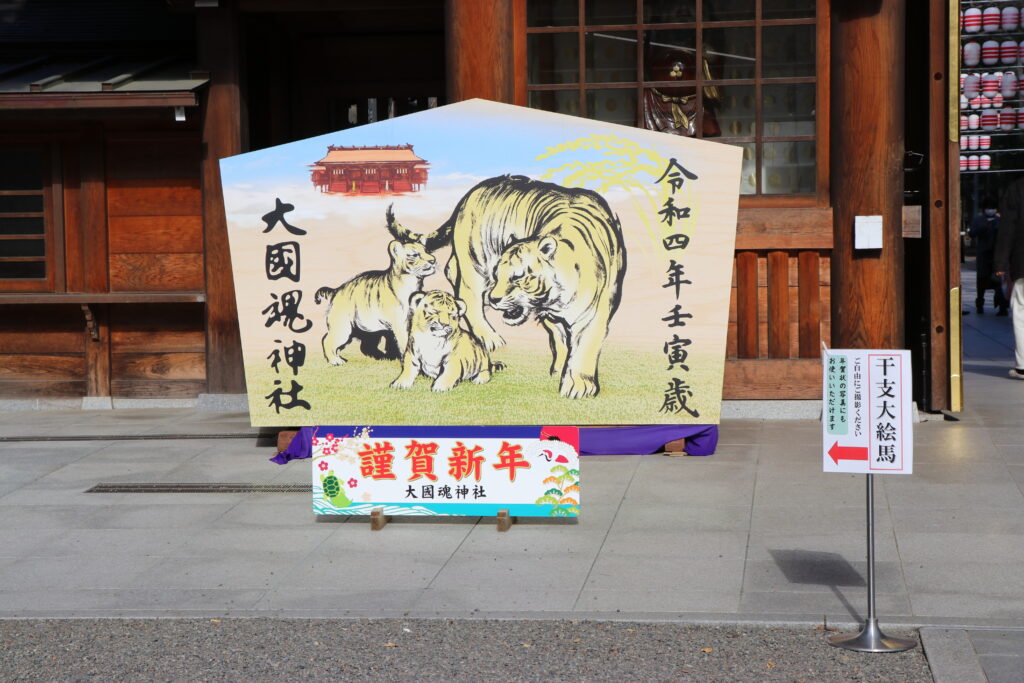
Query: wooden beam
{"x": 98, "y": 100}
{"x": 771, "y": 378}
{"x": 504, "y": 520}
{"x": 479, "y": 50}
{"x": 378, "y": 519}
{"x": 219, "y": 51}
{"x": 778, "y": 304}
{"x": 156, "y": 388}
{"x": 297, "y": 6}
{"x": 746, "y": 305}
{"x": 784, "y": 228}
{"x": 36, "y": 388}
{"x": 809, "y": 305}
{"x": 104, "y": 298}
{"x": 867, "y": 170}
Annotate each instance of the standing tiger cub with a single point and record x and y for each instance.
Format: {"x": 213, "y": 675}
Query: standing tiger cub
{"x": 375, "y": 303}
{"x": 439, "y": 348}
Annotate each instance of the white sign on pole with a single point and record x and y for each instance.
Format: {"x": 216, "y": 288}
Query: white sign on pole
{"x": 867, "y": 423}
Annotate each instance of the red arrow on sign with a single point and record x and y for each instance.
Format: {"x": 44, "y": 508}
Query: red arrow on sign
{"x": 838, "y": 453}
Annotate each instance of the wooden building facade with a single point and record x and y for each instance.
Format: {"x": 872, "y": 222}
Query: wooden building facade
{"x": 116, "y": 188}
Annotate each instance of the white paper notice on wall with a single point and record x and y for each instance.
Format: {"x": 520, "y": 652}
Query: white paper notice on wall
{"x": 867, "y": 232}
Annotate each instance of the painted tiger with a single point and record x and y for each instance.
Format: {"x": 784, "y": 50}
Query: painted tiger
{"x": 526, "y": 247}
{"x": 375, "y": 304}
{"x": 439, "y": 348}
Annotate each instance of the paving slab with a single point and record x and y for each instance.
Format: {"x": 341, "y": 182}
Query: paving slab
{"x": 922, "y": 495}
{"x": 974, "y": 576}
{"x": 293, "y": 510}
{"x": 468, "y": 600}
{"x": 941, "y": 547}
{"x": 105, "y": 571}
{"x": 997, "y": 642}
{"x": 951, "y": 657}
{"x": 198, "y": 514}
{"x": 83, "y": 602}
{"x": 661, "y": 576}
{"x": 662, "y": 603}
{"x": 803, "y": 571}
{"x": 804, "y": 557}
{"x": 847, "y": 521}
{"x": 637, "y": 517}
{"x": 959, "y": 520}
{"x": 336, "y": 600}
{"x": 1003, "y": 668}
{"x": 970, "y": 608}
{"x": 833, "y": 605}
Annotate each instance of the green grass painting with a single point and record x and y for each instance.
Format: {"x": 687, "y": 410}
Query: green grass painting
{"x": 632, "y": 389}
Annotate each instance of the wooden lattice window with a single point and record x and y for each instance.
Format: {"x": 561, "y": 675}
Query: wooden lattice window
{"x": 28, "y": 259}
{"x": 744, "y": 72}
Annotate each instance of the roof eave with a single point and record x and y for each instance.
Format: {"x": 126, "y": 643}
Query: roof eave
{"x": 97, "y": 100}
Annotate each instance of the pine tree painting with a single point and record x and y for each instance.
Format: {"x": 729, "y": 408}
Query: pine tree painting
{"x": 565, "y": 484}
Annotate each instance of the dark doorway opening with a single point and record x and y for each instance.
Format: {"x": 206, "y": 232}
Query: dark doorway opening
{"x": 310, "y": 73}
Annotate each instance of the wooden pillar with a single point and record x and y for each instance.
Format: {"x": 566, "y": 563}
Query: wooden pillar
{"x": 92, "y": 213}
{"x": 220, "y": 53}
{"x": 88, "y": 266}
{"x": 867, "y": 77}
{"x": 942, "y": 219}
{"x": 97, "y": 350}
{"x": 479, "y": 49}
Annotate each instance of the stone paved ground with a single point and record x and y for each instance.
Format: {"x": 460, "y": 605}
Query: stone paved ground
{"x": 1000, "y": 653}
{"x": 753, "y": 534}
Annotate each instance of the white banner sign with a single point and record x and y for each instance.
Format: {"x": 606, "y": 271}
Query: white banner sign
{"x": 867, "y": 419}
{"x": 353, "y": 475}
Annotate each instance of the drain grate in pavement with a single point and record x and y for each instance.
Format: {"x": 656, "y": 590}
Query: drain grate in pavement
{"x": 201, "y": 488}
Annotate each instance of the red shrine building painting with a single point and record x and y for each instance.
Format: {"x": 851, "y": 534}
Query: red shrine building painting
{"x": 383, "y": 169}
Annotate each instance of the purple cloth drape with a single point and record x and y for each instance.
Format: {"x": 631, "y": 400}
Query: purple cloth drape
{"x": 300, "y": 447}
{"x": 700, "y": 440}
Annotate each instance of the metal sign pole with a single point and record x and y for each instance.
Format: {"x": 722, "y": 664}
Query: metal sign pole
{"x": 871, "y": 638}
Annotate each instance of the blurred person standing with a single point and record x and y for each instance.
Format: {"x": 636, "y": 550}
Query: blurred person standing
{"x": 1009, "y": 262}
{"x": 983, "y": 233}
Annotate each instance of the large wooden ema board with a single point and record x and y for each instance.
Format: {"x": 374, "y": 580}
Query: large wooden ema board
{"x": 480, "y": 264}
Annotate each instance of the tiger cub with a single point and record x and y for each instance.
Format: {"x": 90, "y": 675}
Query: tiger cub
{"x": 375, "y": 302}
{"x": 439, "y": 348}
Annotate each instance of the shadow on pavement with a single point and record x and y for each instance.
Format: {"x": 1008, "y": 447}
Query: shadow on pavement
{"x": 815, "y": 568}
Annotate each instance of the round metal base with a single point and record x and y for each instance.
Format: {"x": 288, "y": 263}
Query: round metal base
{"x": 871, "y": 639}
